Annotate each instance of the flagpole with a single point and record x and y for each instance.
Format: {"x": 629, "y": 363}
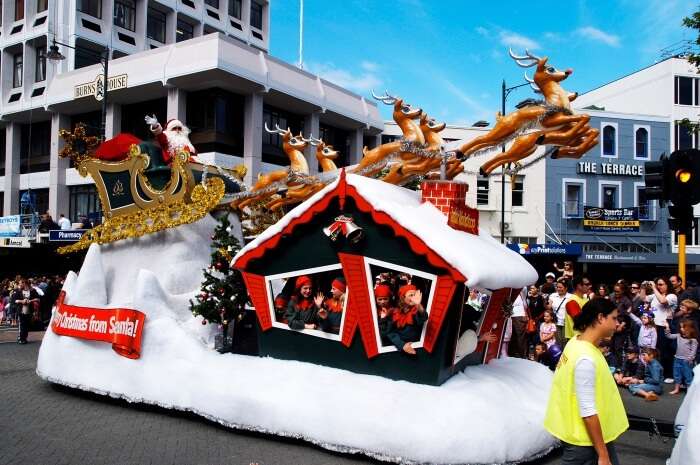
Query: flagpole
{"x": 301, "y": 34}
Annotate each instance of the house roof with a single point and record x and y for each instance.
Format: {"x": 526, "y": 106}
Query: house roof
{"x": 478, "y": 259}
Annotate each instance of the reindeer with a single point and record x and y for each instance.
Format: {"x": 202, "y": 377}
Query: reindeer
{"x": 325, "y": 154}
{"x": 553, "y": 121}
{"x": 403, "y": 115}
{"x": 293, "y": 147}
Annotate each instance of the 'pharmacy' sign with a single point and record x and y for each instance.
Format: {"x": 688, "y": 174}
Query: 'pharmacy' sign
{"x": 96, "y": 87}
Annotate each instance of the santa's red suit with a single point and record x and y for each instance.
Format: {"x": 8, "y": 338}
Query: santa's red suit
{"x": 172, "y": 139}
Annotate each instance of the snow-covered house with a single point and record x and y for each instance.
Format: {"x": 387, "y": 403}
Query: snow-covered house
{"x": 406, "y": 239}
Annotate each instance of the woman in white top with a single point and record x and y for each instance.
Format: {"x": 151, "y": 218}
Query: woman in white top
{"x": 557, "y": 304}
{"x": 663, "y": 304}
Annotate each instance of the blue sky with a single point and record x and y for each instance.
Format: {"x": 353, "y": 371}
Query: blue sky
{"x": 449, "y": 57}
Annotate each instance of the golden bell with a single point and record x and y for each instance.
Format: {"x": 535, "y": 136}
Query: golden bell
{"x": 353, "y": 232}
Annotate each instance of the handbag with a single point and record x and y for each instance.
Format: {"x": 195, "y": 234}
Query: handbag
{"x": 531, "y": 326}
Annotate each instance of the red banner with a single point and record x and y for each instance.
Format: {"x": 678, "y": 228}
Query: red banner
{"x": 122, "y": 327}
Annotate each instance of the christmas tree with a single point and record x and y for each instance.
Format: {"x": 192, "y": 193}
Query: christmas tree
{"x": 223, "y": 295}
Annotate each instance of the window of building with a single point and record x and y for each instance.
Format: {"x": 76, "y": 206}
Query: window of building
{"x": 522, "y": 240}
{"x": 91, "y": 7}
{"x": 644, "y": 204}
{"x": 184, "y": 30}
{"x": 609, "y": 196}
{"x": 17, "y": 70}
{"x": 83, "y": 200}
{"x": 235, "y": 8}
{"x": 35, "y": 147}
{"x": 212, "y": 3}
{"x": 38, "y": 201}
{"x": 272, "y": 143}
{"x": 683, "y": 137}
{"x": 482, "y": 191}
{"x": 573, "y": 199}
{"x": 641, "y": 143}
{"x": 215, "y": 117}
{"x": 256, "y": 14}
{"x": 683, "y": 90}
{"x": 609, "y": 145}
{"x": 42, "y": 5}
{"x": 19, "y": 10}
{"x": 40, "y": 64}
{"x": 517, "y": 189}
{"x": 125, "y": 14}
{"x": 155, "y": 25}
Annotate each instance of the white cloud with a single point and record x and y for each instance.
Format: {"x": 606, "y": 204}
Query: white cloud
{"x": 519, "y": 41}
{"x": 361, "y": 80}
{"x": 482, "y": 31}
{"x": 593, "y": 33}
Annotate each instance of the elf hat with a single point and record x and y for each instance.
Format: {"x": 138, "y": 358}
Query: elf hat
{"x": 302, "y": 281}
{"x": 382, "y": 291}
{"x": 404, "y": 289}
{"x": 339, "y": 283}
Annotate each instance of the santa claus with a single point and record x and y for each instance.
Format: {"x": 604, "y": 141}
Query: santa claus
{"x": 174, "y": 138}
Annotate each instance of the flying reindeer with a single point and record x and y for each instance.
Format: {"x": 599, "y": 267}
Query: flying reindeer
{"x": 551, "y": 122}
{"x": 373, "y": 160}
{"x": 325, "y": 154}
{"x": 293, "y": 147}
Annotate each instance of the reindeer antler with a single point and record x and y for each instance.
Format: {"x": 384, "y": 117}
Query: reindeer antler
{"x": 529, "y": 59}
{"x": 277, "y": 129}
{"x": 533, "y": 84}
{"x": 312, "y": 140}
{"x": 386, "y": 98}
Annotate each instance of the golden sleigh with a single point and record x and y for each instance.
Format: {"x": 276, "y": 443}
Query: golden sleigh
{"x": 139, "y": 197}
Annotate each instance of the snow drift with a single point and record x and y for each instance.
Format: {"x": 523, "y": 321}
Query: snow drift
{"x": 687, "y": 448}
{"x": 487, "y": 414}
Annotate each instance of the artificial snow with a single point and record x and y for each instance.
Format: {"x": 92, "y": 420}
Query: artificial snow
{"x": 487, "y": 414}
{"x": 484, "y": 261}
{"x": 687, "y": 447}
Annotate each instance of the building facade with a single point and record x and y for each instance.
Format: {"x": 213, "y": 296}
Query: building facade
{"x": 524, "y": 195}
{"x": 204, "y": 62}
{"x": 670, "y": 88}
{"x": 611, "y": 176}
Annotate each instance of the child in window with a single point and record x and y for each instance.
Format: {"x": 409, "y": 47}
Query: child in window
{"x": 686, "y": 349}
{"x": 650, "y": 387}
{"x": 330, "y": 313}
{"x": 382, "y": 298}
{"x": 302, "y": 311}
{"x": 406, "y": 323}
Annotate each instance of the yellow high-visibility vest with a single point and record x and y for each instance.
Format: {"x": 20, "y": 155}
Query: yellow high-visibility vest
{"x": 563, "y": 419}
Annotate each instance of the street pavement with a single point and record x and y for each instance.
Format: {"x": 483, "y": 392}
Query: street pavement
{"x": 41, "y": 423}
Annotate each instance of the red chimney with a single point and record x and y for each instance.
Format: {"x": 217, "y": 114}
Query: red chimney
{"x": 443, "y": 194}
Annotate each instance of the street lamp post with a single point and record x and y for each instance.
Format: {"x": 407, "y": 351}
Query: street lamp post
{"x": 505, "y": 91}
{"x": 56, "y": 55}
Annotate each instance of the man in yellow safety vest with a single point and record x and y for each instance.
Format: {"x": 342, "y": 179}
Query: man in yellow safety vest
{"x": 585, "y": 410}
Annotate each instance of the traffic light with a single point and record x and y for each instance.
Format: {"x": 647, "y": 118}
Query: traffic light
{"x": 655, "y": 179}
{"x": 680, "y": 218}
{"x": 675, "y": 180}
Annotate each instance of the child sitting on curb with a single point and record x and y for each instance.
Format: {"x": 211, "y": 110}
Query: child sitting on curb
{"x": 649, "y": 388}
{"x": 632, "y": 368}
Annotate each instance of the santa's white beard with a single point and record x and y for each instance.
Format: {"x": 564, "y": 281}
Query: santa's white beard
{"x": 179, "y": 140}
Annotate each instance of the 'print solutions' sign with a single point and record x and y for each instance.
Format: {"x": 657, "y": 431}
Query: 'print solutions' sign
{"x": 610, "y": 219}
{"x": 96, "y": 87}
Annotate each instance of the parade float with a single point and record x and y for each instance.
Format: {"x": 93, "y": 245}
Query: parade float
{"x": 376, "y": 312}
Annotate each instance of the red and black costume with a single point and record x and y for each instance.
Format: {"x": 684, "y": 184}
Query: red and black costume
{"x": 301, "y": 310}
{"x": 334, "y": 307}
{"x": 406, "y": 322}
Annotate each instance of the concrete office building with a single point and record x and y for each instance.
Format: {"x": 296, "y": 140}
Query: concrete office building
{"x": 205, "y": 62}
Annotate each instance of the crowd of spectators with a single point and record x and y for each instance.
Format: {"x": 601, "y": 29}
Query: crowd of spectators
{"x": 655, "y": 342}
{"x": 26, "y": 302}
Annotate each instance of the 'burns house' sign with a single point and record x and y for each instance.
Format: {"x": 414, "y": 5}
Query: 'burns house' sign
{"x": 96, "y": 87}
